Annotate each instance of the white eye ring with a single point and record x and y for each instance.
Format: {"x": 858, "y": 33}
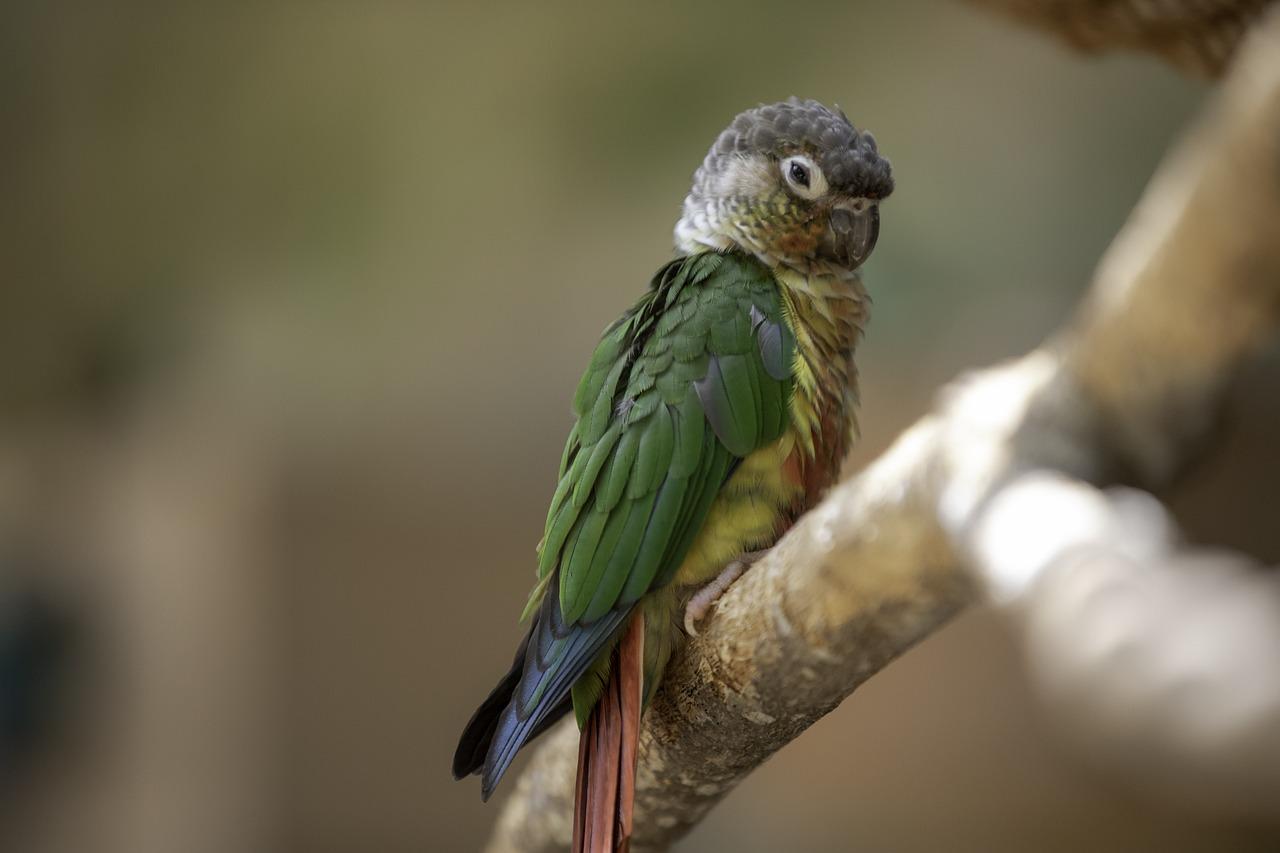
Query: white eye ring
{"x": 795, "y": 171}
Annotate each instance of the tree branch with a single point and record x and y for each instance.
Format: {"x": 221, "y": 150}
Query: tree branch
{"x": 1189, "y": 291}
{"x": 1157, "y": 661}
{"x": 1197, "y": 36}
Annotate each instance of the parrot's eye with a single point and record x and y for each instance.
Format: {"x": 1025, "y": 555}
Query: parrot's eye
{"x": 803, "y": 177}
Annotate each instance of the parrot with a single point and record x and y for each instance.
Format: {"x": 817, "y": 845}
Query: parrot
{"x": 714, "y": 413}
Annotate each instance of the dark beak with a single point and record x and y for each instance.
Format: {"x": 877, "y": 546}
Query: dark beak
{"x": 851, "y": 234}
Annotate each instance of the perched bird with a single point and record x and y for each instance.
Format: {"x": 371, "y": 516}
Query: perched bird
{"x": 713, "y": 413}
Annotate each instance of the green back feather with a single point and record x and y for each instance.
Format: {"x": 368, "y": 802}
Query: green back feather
{"x": 695, "y": 377}
{"x": 688, "y": 381}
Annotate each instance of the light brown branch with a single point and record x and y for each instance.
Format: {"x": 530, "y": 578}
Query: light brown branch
{"x": 1157, "y": 661}
{"x": 1190, "y": 290}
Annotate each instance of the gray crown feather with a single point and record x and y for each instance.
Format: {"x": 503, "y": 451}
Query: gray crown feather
{"x": 848, "y": 157}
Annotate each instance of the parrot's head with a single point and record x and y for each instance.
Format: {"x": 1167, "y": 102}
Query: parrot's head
{"x": 793, "y": 183}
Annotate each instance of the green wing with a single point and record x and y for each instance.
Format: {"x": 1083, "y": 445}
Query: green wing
{"x": 690, "y": 381}
{"x": 696, "y": 377}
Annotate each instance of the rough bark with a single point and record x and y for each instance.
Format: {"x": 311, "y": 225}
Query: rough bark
{"x": 995, "y": 493}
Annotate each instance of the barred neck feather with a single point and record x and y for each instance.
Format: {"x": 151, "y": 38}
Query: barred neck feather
{"x": 734, "y": 223}
{"x": 827, "y": 315}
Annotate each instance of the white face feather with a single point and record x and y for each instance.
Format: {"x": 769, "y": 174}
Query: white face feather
{"x": 701, "y": 226}
{"x": 743, "y": 177}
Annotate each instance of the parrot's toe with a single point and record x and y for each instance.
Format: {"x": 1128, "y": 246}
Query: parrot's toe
{"x": 705, "y": 598}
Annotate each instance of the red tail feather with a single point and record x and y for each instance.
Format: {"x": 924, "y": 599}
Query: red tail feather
{"x": 605, "y": 792}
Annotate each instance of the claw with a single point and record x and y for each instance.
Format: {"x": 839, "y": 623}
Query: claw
{"x": 705, "y": 598}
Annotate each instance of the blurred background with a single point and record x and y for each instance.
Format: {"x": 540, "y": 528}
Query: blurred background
{"x": 293, "y": 300}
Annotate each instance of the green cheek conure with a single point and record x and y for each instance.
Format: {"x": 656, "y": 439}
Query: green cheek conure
{"x": 713, "y": 414}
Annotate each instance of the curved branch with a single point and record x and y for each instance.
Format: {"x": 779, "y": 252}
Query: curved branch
{"x": 1189, "y": 291}
{"x": 1158, "y": 661}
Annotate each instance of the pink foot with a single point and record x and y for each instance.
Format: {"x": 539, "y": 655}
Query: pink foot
{"x": 701, "y": 603}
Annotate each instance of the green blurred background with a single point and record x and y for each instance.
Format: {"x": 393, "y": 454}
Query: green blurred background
{"x": 294, "y": 300}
